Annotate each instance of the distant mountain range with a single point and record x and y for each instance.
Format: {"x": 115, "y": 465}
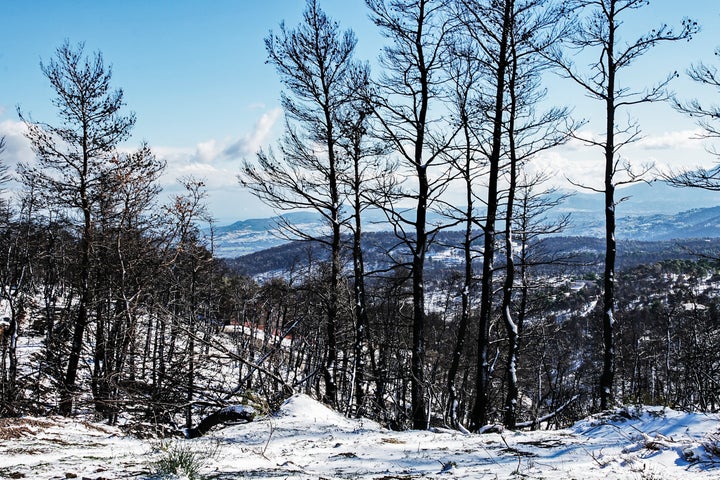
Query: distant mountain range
{"x": 651, "y": 212}
{"x": 249, "y": 236}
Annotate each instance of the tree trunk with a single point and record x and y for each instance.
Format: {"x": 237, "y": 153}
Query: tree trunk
{"x": 68, "y": 391}
{"x": 465, "y": 295}
{"x": 480, "y": 409}
{"x": 608, "y": 320}
{"x": 417, "y": 367}
{"x": 511, "y": 326}
{"x": 361, "y": 316}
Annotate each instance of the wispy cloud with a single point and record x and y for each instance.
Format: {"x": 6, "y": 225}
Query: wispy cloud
{"x": 216, "y": 162}
{"x": 249, "y": 144}
{"x": 671, "y": 140}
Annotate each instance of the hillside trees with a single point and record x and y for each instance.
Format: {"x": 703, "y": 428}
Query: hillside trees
{"x": 315, "y": 63}
{"x": 139, "y": 319}
{"x": 129, "y": 286}
{"x": 73, "y": 159}
{"x": 124, "y": 254}
{"x": 187, "y": 277}
{"x": 599, "y": 30}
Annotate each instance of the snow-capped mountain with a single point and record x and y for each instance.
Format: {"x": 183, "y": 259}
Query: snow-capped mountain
{"x": 249, "y": 236}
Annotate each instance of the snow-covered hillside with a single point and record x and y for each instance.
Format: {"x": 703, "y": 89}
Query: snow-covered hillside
{"x": 306, "y": 440}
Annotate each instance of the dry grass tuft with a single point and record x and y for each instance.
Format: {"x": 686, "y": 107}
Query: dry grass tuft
{"x": 12, "y": 428}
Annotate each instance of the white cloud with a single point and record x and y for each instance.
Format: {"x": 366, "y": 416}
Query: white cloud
{"x": 11, "y": 127}
{"x": 584, "y": 164}
{"x": 215, "y": 161}
{"x": 250, "y": 143}
{"x": 221, "y": 154}
{"x": 570, "y": 164}
{"x": 17, "y": 146}
{"x": 207, "y": 151}
{"x": 671, "y": 140}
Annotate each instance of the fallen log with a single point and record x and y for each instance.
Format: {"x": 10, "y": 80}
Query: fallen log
{"x": 232, "y": 413}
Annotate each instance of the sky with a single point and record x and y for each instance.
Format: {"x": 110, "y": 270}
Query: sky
{"x": 194, "y": 73}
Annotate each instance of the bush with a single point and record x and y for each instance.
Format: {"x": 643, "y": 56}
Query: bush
{"x": 183, "y": 458}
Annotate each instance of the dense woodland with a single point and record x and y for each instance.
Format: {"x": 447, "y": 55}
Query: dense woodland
{"x": 115, "y": 305}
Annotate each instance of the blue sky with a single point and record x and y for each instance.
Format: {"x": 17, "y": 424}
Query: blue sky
{"x": 194, "y": 73}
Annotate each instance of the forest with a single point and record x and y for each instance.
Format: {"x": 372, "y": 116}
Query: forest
{"x": 114, "y": 305}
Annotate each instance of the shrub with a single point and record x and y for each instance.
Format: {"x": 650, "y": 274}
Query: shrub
{"x": 183, "y": 458}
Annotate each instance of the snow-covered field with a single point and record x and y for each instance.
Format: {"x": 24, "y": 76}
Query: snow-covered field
{"x": 305, "y": 440}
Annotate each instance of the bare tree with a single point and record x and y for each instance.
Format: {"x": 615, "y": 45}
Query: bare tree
{"x": 365, "y": 170}
{"x": 72, "y": 160}
{"x": 599, "y": 30}
{"x": 466, "y": 160}
{"x": 12, "y": 275}
{"x": 315, "y": 63}
{"x": 489, "y": 26}
{"x": 4, "y": 169}
{"x": 536, "y": 25}
{"x": 124, "y": 252}
{"x": 407, "y": 108}
{"x": 188, "y": 264}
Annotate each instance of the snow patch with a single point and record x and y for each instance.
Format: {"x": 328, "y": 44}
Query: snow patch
{"x": 307, "y": 440}
{"x": 303, "y": 409}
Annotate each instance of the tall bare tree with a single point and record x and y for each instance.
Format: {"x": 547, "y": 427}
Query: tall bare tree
{"x": 489, "y": 26}
{"x": 365, "y": 169}
{"x": 536, "y": 25}
{"x": 466, "y": 159}
{"x": 73, "y": 157}
{"x": 315, "y": 63}
{"x": 599, "y": 30}
{"x": 408, "y": 109}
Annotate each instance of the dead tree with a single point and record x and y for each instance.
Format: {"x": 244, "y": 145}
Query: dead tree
{"x": 599, "y": 29}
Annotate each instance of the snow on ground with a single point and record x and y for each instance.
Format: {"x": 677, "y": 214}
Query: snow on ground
{"x": 306, "y": 440}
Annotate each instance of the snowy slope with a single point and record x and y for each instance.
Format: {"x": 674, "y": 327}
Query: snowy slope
{"x": 306, "y": 440}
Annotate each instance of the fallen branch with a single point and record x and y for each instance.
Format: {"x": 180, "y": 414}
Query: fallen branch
{"x": 547, "y": 417}
{"x": 232, "y": 413}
